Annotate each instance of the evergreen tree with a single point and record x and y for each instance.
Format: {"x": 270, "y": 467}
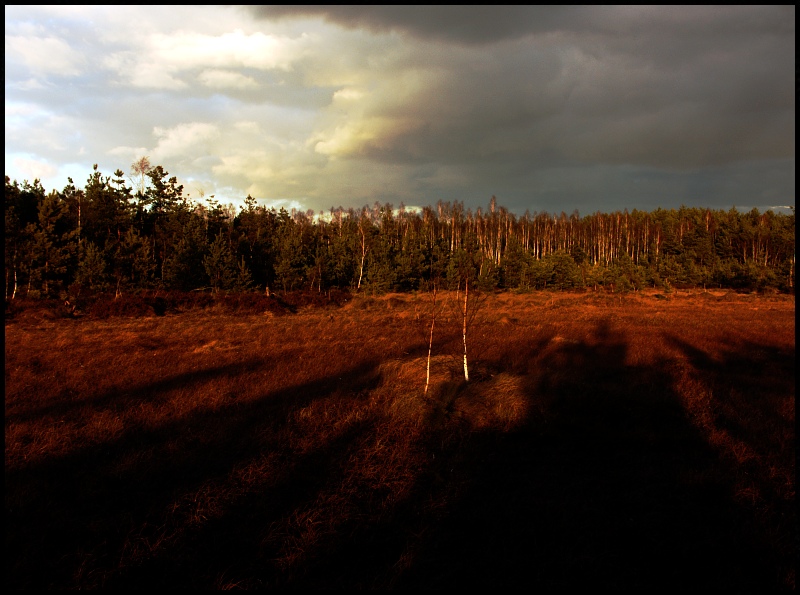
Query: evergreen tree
{"x": 244, "y": 279}
{"x": 133, "y": 262}
{"x": 381, "y": 270}
{"x": 21, "y": 223}
{"x": 92, "y": 267}
{"x": 105, "y": 213}
{"x": 167, "y": 219}
{"x": 293, "y": 258}
{"x": 184, "y": 268}
{"x": 256, "y": 229}
{"x": 516, "y": 266}
{"x": 409, "y": 267}
{"x": 220, "y": 264}
{"x": 54, "y": 249}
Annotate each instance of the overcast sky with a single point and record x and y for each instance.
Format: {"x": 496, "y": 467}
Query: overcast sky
{"x": 549, "y": 109}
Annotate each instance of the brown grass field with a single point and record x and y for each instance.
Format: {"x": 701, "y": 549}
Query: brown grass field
{"x": 625, "y": 441}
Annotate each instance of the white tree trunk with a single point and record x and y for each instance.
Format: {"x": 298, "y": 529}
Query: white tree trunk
{"x": 430, "y": 343}
{"x": 363, "y": 256}
{"x": 466, "y": 297}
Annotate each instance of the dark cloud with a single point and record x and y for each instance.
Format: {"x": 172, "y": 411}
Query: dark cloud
{"x": 548, "y": 108}
{"x": 591, "y": 188}
{"x": 680, "y": 87}
{"x": 480, "y": 24}
{"x": 464, "y": 24}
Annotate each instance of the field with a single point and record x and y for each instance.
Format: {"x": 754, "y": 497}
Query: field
{"x": 624, "y": 441}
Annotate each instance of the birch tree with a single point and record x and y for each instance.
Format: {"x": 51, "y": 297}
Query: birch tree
{"x": 469, "y": 268}
{"x": 363, "y": 225}
{"x": 139, "y": 170}
{"x": 430, "y": 341}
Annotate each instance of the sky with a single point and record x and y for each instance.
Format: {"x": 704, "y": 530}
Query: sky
{"x": 315, "y": 107}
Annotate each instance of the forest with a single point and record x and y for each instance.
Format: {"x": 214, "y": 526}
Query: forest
{"x": 128, "y": 233}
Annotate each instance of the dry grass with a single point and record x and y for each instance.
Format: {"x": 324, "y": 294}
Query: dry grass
{"x": 637, "y": 441}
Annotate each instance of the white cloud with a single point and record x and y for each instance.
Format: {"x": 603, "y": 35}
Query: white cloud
{"x": 190, "y": 139}
{"x": 138, "y": 72}
{"x": 34, "y": 168}
{"x": 222, "y": 79}
{"x": 230, "y": 50}
{"x": 44, "y": 55}
{"x": 161, "y": 60}
{"x": 33, "y": 129}
{"x": 20, "y": 110}
{"x": 347, "y": 94}
{"x": 30, "y": 84}
{"x": 247, "y": 126}
{"x": 360, "y": 135}
{"x": 128, "y": 153}
{"x": 283, "y": 203}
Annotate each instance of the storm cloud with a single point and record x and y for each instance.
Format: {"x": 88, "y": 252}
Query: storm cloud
{"x": 549, "y": 109}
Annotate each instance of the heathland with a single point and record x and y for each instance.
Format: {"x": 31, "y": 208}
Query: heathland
{"x": 639, "y": 440}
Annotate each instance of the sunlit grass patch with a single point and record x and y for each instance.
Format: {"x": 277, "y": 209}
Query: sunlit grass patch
{"x": 213, "y": 449}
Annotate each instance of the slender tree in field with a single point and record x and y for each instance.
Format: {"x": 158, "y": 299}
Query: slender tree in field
{"x": 469, "y": 266}
{"x": 434, "y": 276}
{"x": 430, "y": 342}
{"x": 464, "y": 331}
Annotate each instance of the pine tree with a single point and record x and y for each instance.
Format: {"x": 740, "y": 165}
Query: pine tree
{"x": 54, "y": 247}
{"x": 21, "y": 223}
{"x": 92, "y": 267}
{"x": 244, "y": 280}
{"x": 220, "y": 265}
{"x": 184, "y": 268}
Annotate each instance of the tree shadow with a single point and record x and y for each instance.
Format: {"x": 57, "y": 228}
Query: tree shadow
{"x": 750, "y": 390}
{"x": 607, "y": 484}
{"x": 67, "y": 406}
{"x": 72, "y": 521}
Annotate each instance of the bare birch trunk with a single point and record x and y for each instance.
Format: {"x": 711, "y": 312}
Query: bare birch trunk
{"x": 466, "y": 297}
{"x": 360, "y": 273}
{"x": 430, "y": 342}
{"x": 363, "y": 256}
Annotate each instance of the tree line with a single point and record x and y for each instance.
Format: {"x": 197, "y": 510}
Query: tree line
{"x": 127, "y": 233}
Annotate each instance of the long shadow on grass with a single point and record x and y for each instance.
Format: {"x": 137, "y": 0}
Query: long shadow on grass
{"x": 746, "y": 401}
{"x": 607, "y": 485}
{"x": 115, "y": 514}
{"x": 67, "y": 406}
{"x": 751, "y": 392}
